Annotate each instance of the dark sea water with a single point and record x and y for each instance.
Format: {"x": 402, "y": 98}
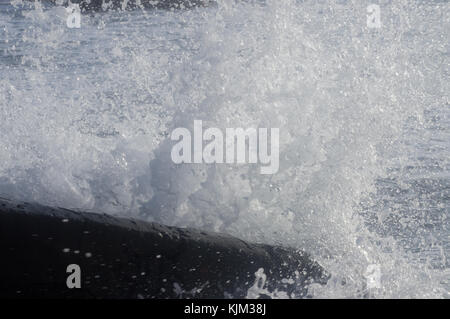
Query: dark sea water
{"x": 364, "y": 118}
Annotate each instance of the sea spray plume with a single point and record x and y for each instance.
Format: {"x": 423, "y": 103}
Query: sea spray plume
{"x": 350, "y": 108}
{"x": 235, "y": 146}
{"x": 341, "y": 93}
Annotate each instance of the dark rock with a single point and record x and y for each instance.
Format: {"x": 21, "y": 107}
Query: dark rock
{"x": 123, "y": 258}
{"x": 105, "y": 5}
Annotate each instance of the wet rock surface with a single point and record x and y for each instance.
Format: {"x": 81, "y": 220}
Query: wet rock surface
{"x": 105, "y": 5}
{"x": 123, "y": 258}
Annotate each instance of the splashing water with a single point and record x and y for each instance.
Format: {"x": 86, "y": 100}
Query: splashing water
{"x": 86, "y": 116}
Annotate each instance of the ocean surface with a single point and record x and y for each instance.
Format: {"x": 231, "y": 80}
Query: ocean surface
{"x": 364, "y": 181}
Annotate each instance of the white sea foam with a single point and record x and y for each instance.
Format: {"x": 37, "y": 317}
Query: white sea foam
{"x": 86, "y": 116}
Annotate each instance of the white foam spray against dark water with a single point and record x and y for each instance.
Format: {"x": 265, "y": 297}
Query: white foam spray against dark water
{"x": 86, "y": 116}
